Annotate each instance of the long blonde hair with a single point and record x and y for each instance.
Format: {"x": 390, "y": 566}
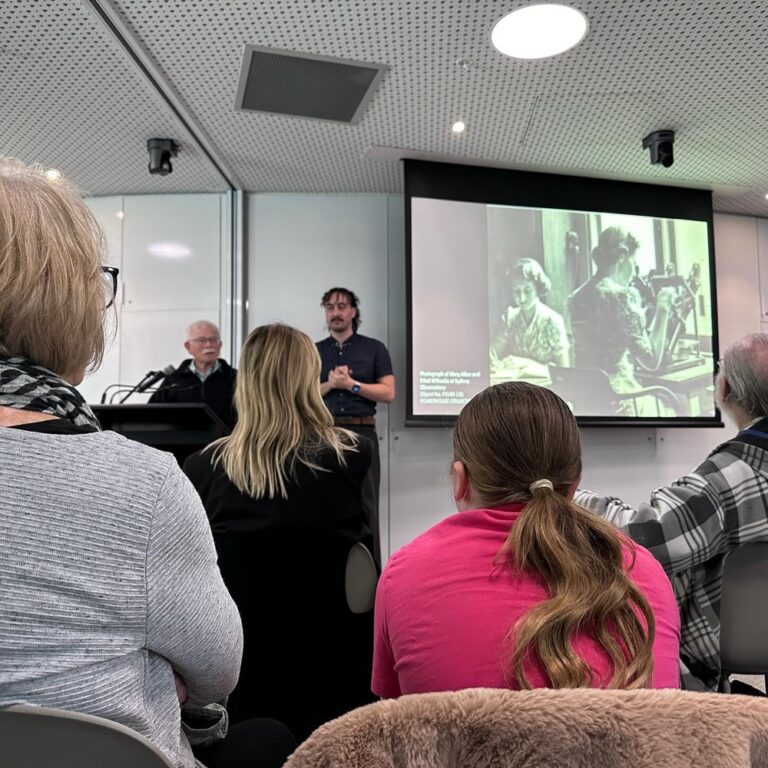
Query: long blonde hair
{"x": 52, "y": 291}
{"x": 282, "y": 420}
{"x": 509, "y": 436}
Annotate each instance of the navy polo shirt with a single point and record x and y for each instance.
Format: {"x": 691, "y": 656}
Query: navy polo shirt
{"x": 367, "y": 359}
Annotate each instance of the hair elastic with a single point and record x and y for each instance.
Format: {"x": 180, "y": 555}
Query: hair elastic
{"x": 541, "y": 484}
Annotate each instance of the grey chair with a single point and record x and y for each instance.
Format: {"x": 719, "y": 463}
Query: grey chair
{"x": 360, "y": 579}
{"x": 744, "y": 613}
{"x": 40, "y": 737}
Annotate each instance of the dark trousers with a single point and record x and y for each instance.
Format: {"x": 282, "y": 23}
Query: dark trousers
{"x": 300, "y": 573}
{"x": 257, "y": 743}
{"x": 371, "y": 485}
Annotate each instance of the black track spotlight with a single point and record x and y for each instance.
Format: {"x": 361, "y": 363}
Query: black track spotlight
{"x": 660, "y": 143}
{"x": 160, "y": 153}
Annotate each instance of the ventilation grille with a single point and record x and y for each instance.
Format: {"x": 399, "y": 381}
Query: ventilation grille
{"x": 297, "y": 84}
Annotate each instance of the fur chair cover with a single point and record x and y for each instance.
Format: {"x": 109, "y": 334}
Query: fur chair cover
{"x": 485, "y": 728}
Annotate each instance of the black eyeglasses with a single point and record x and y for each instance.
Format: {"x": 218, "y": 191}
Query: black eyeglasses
{"x": 111, "y": 274}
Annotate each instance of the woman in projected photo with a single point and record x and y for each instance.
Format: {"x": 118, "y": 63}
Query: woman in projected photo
{"x": 531, "y": 328}
{"x": 608, "y": 319}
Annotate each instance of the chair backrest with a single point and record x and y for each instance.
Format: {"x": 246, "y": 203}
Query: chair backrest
{"x": 360, "y": 579}
{"x": 743, "y": 614}
{"x": 588, "y": 390}
{"x": 40, "y": 737}
{"x": 579, "y": 728}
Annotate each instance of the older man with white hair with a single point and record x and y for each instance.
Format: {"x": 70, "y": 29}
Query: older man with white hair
{"x": 693, "y": 524}
{"x": 203, "y": 378}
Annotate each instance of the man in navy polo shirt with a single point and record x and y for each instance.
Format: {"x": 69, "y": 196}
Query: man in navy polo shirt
{"x": 356, "y": 374}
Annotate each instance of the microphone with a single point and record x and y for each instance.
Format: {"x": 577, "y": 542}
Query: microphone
{"x": 153, "y": 377}
{"x": 149, "y": 380}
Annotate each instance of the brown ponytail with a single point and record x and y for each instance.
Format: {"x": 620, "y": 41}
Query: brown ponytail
{"x": 579, "y": 557}
{"x": 508, "y": 437}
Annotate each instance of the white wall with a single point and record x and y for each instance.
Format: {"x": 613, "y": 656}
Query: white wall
{"x": 173, "y": 255}
{"x": 299, "y": 245}
{"x": 109, "y": 212}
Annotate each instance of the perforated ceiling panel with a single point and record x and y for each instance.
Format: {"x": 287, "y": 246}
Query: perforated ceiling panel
{"x": 695, "y": 66}
{"x": 72, "y": 100}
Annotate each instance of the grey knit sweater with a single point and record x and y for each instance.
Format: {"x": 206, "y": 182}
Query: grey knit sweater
{"x": 109, "y": 583}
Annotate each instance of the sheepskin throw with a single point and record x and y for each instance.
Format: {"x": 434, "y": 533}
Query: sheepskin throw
{"x": 582, "y": 728}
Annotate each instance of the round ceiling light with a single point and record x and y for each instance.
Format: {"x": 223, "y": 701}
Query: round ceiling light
{"x": 538, "y": 31}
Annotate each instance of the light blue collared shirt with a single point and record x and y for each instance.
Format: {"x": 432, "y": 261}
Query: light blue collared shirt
{"x": 203, "y": 376}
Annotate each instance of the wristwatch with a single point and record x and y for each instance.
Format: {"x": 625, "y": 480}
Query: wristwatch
{"x": 355, "y": 388}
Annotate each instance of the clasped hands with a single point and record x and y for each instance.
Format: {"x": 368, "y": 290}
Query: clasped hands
{"x": 340, "y": 377}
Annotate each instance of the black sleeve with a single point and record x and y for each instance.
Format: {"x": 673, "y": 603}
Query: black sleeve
{"x": 382, "y": 363}
{"x": 168, "y": 390}
{"x": 361, "y": 461}
{"x": 159, "y": 397}
{"x": 197, "y": 468}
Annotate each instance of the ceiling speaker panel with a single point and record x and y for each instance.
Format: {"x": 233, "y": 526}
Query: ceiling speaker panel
{"x": 319, "y": 87}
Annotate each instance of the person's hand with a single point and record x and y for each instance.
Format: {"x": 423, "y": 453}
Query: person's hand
{"x": 339, "y": 377}
{"x": 181, "y": 689}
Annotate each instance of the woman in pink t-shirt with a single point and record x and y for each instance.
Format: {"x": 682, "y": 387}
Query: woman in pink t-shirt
{"x": 522, "y": 588}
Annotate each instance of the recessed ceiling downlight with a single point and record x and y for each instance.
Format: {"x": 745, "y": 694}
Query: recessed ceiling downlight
{"x": 538, "y": 31}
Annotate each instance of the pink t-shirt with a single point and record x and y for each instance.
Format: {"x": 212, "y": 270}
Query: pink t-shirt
{"x": 443, "y": 610}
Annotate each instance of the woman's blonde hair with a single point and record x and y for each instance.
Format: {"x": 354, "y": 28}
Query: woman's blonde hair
{"x": 508, "y": 437}
{"x": 52, "y": 291}
{"x": 282, "y": 420}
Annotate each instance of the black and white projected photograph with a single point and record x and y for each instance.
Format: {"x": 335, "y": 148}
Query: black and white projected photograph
{"x": 611, "y": 311}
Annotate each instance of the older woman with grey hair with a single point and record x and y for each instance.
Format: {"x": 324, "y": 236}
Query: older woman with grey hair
{"x": 112, "y": 601}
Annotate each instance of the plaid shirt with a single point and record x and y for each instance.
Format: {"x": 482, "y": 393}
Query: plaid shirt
{"x": 690, "y": 527}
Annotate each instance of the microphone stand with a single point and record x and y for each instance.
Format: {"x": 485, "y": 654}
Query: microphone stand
{"x": 149, "y": 391}
{"x": 152, "y": 378}
{"x": 111, "y": 386}
{"x": 136, "y": 388}
{"x": 117, "y": 393}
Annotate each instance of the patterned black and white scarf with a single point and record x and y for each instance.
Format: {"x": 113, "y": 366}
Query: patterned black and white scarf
{"x": 30, "y": 387}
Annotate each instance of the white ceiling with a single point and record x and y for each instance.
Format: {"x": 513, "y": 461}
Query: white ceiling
{"x": 77, "y": 98}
